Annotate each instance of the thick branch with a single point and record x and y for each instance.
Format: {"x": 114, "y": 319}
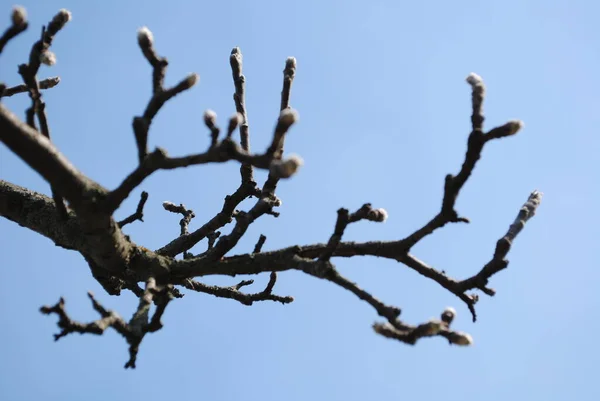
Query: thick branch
{"x": 41, "y": 155}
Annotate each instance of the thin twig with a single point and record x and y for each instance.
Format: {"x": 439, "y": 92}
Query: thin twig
{"x": 47, "y": 83}
{"x": 139, "y": 212}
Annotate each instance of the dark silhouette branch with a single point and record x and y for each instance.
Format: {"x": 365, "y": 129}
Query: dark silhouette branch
{"x": 234, "y": 292}
{"x": 139, "y": 212}
{"x": 40, "y": 53}
{"x": 19, "y": 24}
{"x": 118, "y": 263}
{"x": 47, "y": 83}
{"x": 133, "y": 331}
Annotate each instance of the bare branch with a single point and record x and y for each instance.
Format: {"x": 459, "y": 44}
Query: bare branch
{"x": 141, "y": 124}
{"x": 139, "y": 212}
{"x": 234, "y": 292}
{"x": 453, "y": 184}
{"x": 239, "y": 97}
{"x": 40, "y": 53}
{"x": 18, "y": 25}
{"x": 47, "y": 83}
{"x": 158, "y": 160}
{"x": 278, "y": 142}
{"x": 188, "y": 215}
{"x": 259, "y": 243}
{"x": 225, "y": 216}
{"x": 498, "y": 263}
{"x": 117, "y": 263}
{"x": 133, "y": 331}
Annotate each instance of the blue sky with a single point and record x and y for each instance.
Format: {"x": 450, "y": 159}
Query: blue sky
{"x": 384, "y": 116}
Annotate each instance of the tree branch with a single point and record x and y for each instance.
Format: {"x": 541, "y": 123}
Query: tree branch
{"x": 133, "y": 331}
{"x": 47, "y": 83}
{"x": 116, "y": 262}
{"x": 234, "y": 292}
{"x": 19, "y": 24}
{"x": 453, "y": 184}
{"x": 239, "y": 97}
{"x": 139, "y": 212}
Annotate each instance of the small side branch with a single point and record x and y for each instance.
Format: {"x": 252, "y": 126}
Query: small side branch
{"x": 276, "y": 148}
{"x": 40, "y": 53}
{"x": 239, "y": 97}
{"x": 47, "y": 83}
{"x": 344, "y": 218}
{"x": 160, "y": 95}
{"x": 187, "y": 214}
{"x": 139, "y": 212}
{"x": 225, "y": 216}
{"x": 234, "y": 292}
{"x": 434, "y": 327}
{"x": 498, "y": 261}
{"x": 18, "y": 25}
{"x": 454, "y": 183}
{"x": 133, "y": 331}
{"x": 393, "y": 328}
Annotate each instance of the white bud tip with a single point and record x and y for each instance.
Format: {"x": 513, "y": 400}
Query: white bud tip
{"x": 450, "y": 310}
{"x": 515, "y": 126}
{"x": 19, "y": 15}
{"x": 48, "y": 58}
{"x": 288, "y": 117}
{"x": 461, "y": 338}
{"x": 290, "y": 62}
{"x": 167, "y": 204}
{"x": 237, "y": 118}
{"x": 288, "y": 167}
{"x": 236, "y": 50}
{"x": 383, "y": 213}
{"x": 144, "y": 34}
{"x": 474, "y": 79}
{"x": 66, "y": 14}
{"x": 192, "y": 79}
{"x": 210, "y": 116}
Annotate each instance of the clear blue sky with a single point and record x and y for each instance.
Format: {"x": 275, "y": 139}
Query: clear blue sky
{"x": 384, "y": 115}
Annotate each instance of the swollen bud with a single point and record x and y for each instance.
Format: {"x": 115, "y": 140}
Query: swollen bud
{"x": 18, "y": 16}
{"x": 448, "y": 315}
{"x": 235, "y": 59}
{"x": 290, "y": 63}
{"x": 474, "y": 79}
{"x": 64, "y": 15}
{"x": 460, "y": 338}
{"x": 287, "y": 118}
{"x": 47, "y": 58}
{"x": 380, "y": 215}
{"x": 513, "y": 126}
{"x": 286, "y": 168}
{"x": 190, "y": 80}
{"x": 210, "y": 118}
{"x": 168, "y": 205}
{"x": 236, "y": 120}
{"x": 145, "y": 37}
